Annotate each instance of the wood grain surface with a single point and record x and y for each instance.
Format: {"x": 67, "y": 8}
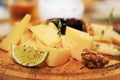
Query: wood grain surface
{"x": 10, "y": 70}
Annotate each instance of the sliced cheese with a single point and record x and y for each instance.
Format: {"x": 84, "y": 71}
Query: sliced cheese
{"x": 102, "y": 32}
{"x": 115, "y": 37}
{"x": 57, "y": 56}
{"x": 47, "y": 34}
{"x": 15, "y": 36}
{"x": 30, "y": 43}
{"x": 76, "y": 41}
{"x": 97, "y": 28}
{"x": 106, "y": 37}
{"x": 106, "y": 48}
{"x": 26, "y": 36}
{"x": 39, "y": 42}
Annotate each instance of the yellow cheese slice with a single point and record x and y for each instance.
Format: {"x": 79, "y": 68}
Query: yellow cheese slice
{"x": 30, "y": 43}
{"x": 47, "y": 34}
{"x": 102, "y": 32}
{"x": 15, "y": 36}
{"x": 106, "y": 48}
{"x": 77, "y": 41}
{"x": 57, "y": 56}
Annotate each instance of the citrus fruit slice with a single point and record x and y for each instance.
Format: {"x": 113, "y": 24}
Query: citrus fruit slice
{"x": 27, "y": 56}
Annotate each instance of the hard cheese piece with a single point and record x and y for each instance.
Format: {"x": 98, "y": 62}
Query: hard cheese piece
{"x": 102, "y": 32}
{"x": 105, "y": 37}
{"x": 105, "y": 33}
{"x": 30, "y": 43}
{"x": 115, "y": 37}
{"x": 26, "y": 36}
{"x": 39, "y": 42}
{"x": 97, "y": 28}
{"x": 77, "y": 41}
{"x": 15, "y": 35}
{"x": 47, "y": 34}
{"x": 106, "y": 48}
{"x": 57, "y": 56}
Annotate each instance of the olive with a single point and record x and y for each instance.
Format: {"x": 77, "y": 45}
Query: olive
{"x": 71, "y": 22}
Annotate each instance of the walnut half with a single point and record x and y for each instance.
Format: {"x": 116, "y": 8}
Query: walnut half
{"x": 93, "y": 60}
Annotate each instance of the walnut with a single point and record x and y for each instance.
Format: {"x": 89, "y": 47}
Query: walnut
{"x": 93, "y": 59}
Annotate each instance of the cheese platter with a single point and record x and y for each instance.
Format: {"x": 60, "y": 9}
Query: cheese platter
{"x": 52, "y": 50}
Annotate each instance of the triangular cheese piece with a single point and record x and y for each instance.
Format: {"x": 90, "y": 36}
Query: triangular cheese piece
{"x": 47, "y": 34}
{"x": 77, "y": 41}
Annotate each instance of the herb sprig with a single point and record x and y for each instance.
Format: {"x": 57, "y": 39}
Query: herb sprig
{"x": 111, "y": 16}
{"x": 58, "y": 23}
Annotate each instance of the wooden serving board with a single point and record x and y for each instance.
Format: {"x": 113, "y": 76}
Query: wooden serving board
{"x": 9, "y": 70}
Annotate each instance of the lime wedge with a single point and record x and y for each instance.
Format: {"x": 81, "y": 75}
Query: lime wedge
{"x": 27, "y": 56}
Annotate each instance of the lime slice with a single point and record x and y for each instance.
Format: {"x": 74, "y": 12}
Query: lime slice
{"x": 27, "y": 56}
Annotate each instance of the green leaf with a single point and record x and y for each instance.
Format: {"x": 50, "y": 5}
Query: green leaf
{"x": 59, "y": 25}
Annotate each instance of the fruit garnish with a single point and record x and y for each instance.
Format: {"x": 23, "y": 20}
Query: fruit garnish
{"x": 27, "y": 56}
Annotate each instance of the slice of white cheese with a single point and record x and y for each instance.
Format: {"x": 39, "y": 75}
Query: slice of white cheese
{"x": 106, "y": 48}
{"x": 57, "y": 56}
{"x": 30, "y": 43}
{"x": 77, "y": 41}
{"x": 47, "y": 34}
{"x": 102, "y": 32}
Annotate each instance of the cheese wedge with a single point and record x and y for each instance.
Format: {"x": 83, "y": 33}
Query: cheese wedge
{"x": 39, "y": 42}
{"x": 102, "y": 32}
{"x": 30, "y": 43}
{"x": 57, "y": 56}
{"x": 105, "y": 33}
{"x": 76, "y": 41}
{"x": 115, "y": 37}
{"x": 47, "y": 34}
{"x": 15, "y": 36}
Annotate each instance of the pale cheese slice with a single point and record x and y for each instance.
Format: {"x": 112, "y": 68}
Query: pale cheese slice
{"x": 76, "y": 41}
{"x": 102, "y": 32}
{"x": 30, "y": 43}
{"x": 106, "y": 48}
{"x": 98, "y": 28}
{"x": 57, "y": 56}
{"x": 47, "y": 34}
{"x": 15, "y": 36}
{"x": 106, "y": 37}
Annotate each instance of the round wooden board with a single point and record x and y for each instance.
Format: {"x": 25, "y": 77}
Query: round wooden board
{"x": 9, "y": 70}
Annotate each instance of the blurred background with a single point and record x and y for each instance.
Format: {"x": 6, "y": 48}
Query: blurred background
{"x": 95, "y": 10}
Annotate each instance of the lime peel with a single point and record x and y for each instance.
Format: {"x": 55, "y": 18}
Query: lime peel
{"x": 27, "y": 56}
